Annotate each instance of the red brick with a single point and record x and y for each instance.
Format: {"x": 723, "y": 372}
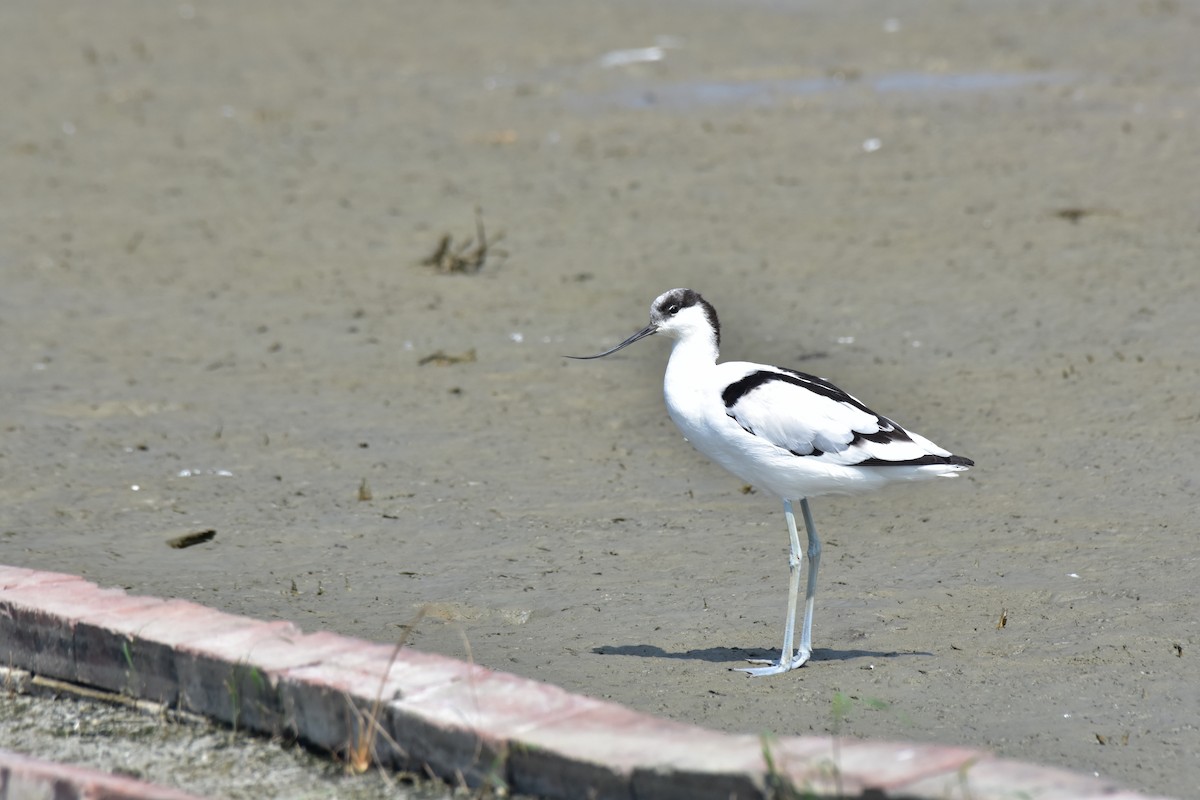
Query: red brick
{"x": 39, "y": 619}
{"x": 461, "y": 752}
{"x": 619, "y": 753}
{"x": 325, "y": 704}
{"x": 278, "y": 653}
{"x": 180, "y": 621}
{"x": 858, "y": 765}
{"x": 70, "y": 599}
{"x": 36, "y": 640}
{"x": 494, "y": 701}
{"x": 1000, "y": 779}
{"x": 468, "y": 721}
{"x": 218, "y": 676}
{"x": 138, "y": 642}
{"x": 410, "y": 674}
{"x": 12, "y": 577}
{"x": 320, "y": 711}
{"x": 464, "y": 721}
{"x": 23, "y": 776}
{"x": 104, "y": 653}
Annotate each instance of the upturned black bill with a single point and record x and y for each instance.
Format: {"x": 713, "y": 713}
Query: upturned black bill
{"x": 649, "y": 330}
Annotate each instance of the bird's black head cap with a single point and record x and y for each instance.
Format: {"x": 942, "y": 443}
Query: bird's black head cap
{"x": 674, "y": 301}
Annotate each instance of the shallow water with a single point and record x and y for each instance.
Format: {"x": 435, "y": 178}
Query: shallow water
{"x": 701, "y": 94}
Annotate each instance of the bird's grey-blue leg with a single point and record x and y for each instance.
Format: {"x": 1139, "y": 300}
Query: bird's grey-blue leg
{"x": 789, "y": 660}
{"x": 810, "y": 594}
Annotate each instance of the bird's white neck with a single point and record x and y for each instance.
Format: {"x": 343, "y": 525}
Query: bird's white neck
{"x": 696, "y": 349}
{"x": 691, "y": 357}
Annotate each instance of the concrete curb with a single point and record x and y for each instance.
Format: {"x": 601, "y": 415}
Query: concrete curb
{"x": 25, "y": 777}
{"x": 457, "y": 720}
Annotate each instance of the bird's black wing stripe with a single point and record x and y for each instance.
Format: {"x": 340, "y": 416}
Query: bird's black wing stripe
{"x": 827, "y": 389}
{"x": 740, "y": 388}
{"x": 925, "y": 460}
{"x": 888, "y": 432}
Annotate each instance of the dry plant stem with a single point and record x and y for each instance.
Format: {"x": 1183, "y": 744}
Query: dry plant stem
{"x": 361, "y": 753}
{"x": 31, "y": 684}
{"x": 469, "y": 256}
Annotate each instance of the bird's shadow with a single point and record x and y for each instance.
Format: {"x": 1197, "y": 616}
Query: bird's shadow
{"x": 720, "y": 655}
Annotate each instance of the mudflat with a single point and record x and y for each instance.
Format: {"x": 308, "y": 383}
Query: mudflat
{"x": 229, "y": 305}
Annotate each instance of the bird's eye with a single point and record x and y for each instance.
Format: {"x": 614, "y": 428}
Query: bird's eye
{"x": 672, "y": 309}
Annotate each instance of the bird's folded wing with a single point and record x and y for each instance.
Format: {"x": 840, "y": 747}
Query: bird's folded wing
{"x": 809, "y": 416}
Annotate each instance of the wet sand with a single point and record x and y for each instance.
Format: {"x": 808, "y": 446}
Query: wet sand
{"x": 978, "y": 218}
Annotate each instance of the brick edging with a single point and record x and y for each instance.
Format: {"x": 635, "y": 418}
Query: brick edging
{"x": 457, "y": 720}
{"x": 25, "y": 776}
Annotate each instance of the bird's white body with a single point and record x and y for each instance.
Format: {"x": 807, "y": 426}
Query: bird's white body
{"x": 781, "y": 413}
{"x": 792, "y": 434}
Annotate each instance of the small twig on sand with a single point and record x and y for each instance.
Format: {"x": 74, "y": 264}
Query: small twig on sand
{"x": 467, "y": 257}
